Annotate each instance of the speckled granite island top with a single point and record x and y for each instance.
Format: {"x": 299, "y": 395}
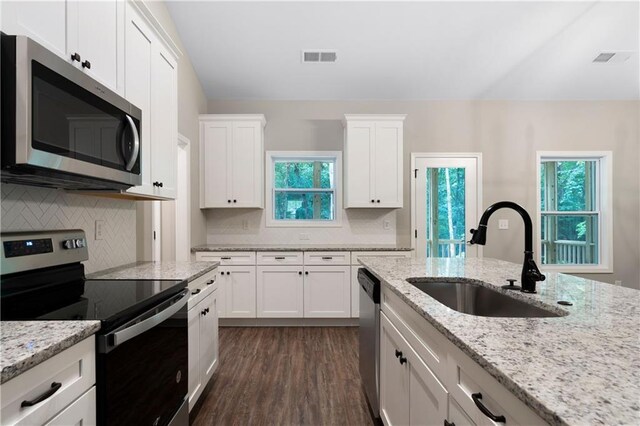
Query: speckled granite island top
{"x": 156, "y": 271}
{"x": 299, "y": 247}
{"x": 583, "y": 368}
{"x": 25, "y": 344}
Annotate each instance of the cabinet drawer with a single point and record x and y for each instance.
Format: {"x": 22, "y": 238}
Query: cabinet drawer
{"x": 327, "y": 258}
{"x": 467, "y": 378}
{"x": 81, "y": 412}
{"x": 457, "y": 416}
{"x": 428, "y": 342}
{"x": 279, "y": 258}
{"x": 73, "y": 369}
{"x": 228, "y": 258}
{"x": 393, "y": 254}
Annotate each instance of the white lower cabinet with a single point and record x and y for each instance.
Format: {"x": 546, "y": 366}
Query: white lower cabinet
{"x": 327, "y": 291}
{"x": 238, "y": 291}
{"x": 410, "y": 394}
{"x": 82, "y": 412}
{"x": 203, "y": 344}
{"x": 426, "y": 379}
{"x": 71, "y": 373}
{"x": 280, "y": 292}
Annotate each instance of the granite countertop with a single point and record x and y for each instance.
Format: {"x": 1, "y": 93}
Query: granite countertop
{"x": 300, "y": 247}
{"x": 25, "y": 344}
{"x": 156, "y": 271}
{"x": 583, "y": 368}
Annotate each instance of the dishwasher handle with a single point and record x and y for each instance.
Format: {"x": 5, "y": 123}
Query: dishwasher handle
{"x": 370, "y": 284}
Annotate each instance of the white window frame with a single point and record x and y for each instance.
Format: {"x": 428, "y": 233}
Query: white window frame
{"x": 272, "y": 156}
{"x": 605, "y": 209}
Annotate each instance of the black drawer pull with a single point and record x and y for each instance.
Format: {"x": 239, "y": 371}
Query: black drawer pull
{"x": 327, "y": 257}
{"x": 477, "y": 398}
{"x": 280, "y": 258}
{"x": 225, "y": 258}
{"x": 55, "y": 387}
{"x": 210, "y": 282}
{"x": 447, "y": 423}
{"x": 196, "y": 291}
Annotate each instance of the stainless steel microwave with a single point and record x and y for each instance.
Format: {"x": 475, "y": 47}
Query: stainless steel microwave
{"x": 62, "y": 129}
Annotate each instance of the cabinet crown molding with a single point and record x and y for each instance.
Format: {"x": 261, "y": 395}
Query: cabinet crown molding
{"x": 143, "y": 9}
{"x": 373, "y": 117}
{"x": 234, "y": 117}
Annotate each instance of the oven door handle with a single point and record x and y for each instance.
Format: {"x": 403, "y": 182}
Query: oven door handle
{"x": 136, "y": 144}
{"x": 122, "y": 336}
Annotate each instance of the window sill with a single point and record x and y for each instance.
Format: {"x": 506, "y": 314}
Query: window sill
{"x": 574, "y": 269}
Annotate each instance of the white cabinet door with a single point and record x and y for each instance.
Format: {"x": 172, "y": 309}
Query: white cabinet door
{"x": 222, "y": 293}
{"x": 427, "y": 396}
{"x": 355, "y": 293}
{"x": 387, "y": 164}
{"x": 246, "y": 164}
{"x": 327, "y": 291}
{"x": 81, "y": 412}
{"x": 94, "y": 30}
{"x": 195, "y": 382}
{"x": 457, "y": 415}
{"x": 240, "y": 291}
{"x": 358, "y": 171}
{"x": 138, "y": 58}
{"x": 43, "y": 21}
{"x": 394, "y": 377}
{"x": 215, "y": 142}
{"x": 164, "y": 119}
{"x": 208, "y": 337}
{"x": 280, "y": 292}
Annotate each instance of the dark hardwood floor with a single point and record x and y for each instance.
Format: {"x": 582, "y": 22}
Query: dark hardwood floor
{"x": 285, "y": 376}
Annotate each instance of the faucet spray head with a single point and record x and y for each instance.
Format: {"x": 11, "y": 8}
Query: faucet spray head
{"x": 479, "y": 236}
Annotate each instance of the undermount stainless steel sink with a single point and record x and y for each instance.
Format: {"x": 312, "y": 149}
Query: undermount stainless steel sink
{"x": 475, "y": 299}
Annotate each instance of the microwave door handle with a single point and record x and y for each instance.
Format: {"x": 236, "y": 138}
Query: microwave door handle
{"x": 136, "y": 144}
{"x": 128, "y": 333}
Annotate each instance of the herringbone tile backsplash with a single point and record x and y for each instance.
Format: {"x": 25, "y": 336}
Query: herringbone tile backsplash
{"x": 32, "y": 208}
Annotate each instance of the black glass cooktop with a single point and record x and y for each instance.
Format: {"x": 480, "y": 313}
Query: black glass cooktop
{"x": 113, "y": 302}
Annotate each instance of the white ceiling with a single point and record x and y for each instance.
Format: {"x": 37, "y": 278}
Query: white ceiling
{"x": 411, "y": 50}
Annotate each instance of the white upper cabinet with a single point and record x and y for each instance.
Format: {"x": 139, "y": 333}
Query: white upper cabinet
{"x": 231, "y": 161}
{"x": 373, "y": 161}
{"x": 151, "y": 85}
{"x": 88, "y": 34}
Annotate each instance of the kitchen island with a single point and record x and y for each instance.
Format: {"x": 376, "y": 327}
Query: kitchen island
{"x": 582, "y": 367}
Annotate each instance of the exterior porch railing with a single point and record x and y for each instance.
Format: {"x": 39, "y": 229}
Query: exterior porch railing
{"x": 568, "y": 252}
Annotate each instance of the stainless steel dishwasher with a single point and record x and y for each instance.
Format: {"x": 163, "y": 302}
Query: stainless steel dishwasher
{"x": 370, "y": 339}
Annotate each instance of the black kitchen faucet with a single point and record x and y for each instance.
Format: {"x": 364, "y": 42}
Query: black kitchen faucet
{"x": 530, "y": 272}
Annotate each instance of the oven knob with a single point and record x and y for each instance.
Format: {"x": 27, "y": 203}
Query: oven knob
{"x": 69, "y": 244}
{"x": 79, "y": 243}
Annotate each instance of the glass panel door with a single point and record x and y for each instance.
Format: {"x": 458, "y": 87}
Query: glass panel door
{"x": 445, "y": 206}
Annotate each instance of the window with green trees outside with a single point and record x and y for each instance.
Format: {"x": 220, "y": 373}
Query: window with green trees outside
{"x": 304, "y": 189}
{"x": 570, "y": 212}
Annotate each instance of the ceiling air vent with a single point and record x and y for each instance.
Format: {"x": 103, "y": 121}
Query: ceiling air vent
{"x": 612, "y": 57}
{"x": 318, "y": 56}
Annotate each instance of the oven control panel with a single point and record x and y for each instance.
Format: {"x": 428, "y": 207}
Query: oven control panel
{"x": 27, "y": 247}
{"x": 74, "y": 243}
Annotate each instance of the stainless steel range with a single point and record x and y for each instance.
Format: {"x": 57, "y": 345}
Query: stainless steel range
{"x": 142, "y": 359}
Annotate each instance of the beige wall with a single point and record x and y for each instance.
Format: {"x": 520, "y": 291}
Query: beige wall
{"x": 191, "y": 103}
{"x": 508, "y": 133}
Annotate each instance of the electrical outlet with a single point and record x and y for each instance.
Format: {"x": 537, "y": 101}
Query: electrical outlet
{"x": 99, "y": 230}
{"x": 503, "y": 224}
{"x": 618, "y": 282}
{"x": 386, "y": 224}
{"x": 304, "y": 236}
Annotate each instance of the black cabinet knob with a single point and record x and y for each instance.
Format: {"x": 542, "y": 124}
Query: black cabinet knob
{"x": 75, "y": 57}
{"x": 398, "y": 353}
{"x": 306, "y": 272}
{"x": 160, "y": 184}
{"x": 403, "y": 360}
{"x": 228, "y": 273}
{"x": 228, "y": 201}
{"x": 373, "y": 201}
{"x": 300, "y": 273}
{"x": 86, "y": 64}
{"x": 235, "y": 201}
{"x": 377, "y": 201}
{"x": 447, "y": 423}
